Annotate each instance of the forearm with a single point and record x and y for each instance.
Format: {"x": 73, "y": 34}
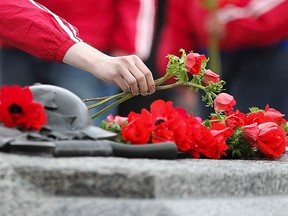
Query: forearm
{"x": 128, "y": 72}
{"x": 84, "y": 56}
{"x": 33, "y": 28}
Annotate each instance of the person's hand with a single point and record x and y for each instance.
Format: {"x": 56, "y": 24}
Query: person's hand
{"x": 128, "y": 72}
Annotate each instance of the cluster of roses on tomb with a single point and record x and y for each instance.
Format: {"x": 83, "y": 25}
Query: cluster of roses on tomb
{"x": 227, "y": 133}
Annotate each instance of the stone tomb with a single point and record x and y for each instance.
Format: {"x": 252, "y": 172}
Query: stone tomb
{"x": 34, "y": 185}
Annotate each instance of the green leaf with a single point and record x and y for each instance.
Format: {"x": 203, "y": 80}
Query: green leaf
{"x": 255, "y": 110}
{"x": 239, "y": 147}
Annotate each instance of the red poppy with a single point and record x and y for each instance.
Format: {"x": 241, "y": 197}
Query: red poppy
{"x": 168, "y": 119}
{"x": 139, "y": 127}
{"x": 210, "y": 143}
{"x": 184, "y": 139}
{"x": 17, "y": 108}
{"x": 161, "y": 111}
{"x": 163, "y": 135}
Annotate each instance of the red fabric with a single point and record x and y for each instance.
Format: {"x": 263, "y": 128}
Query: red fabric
{"x": 260, "y": 30}
{"x": 107, "y": 25}
{"x": 25, "y": 26}
{"x": 184, "y": 27}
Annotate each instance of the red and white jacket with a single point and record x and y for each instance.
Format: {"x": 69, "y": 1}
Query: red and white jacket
{"x": 249, "y": 23}
{"x": 33, "y": 28}
{"x": 123, "y": 25}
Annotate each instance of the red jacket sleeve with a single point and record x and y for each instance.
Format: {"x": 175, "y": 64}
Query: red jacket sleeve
{"x": 259, "y": 23}
{"x": 31, "y": 27}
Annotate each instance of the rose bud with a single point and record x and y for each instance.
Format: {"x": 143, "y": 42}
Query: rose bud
{"x": 210, "y": 76}
{"x": 224, "y": 102}
{"x": 193, "y": 63}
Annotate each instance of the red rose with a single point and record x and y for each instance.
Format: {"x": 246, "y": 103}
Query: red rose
{"x": 17, "y": 108}
{"x": 138, "y": 128}
{"x": 210, "y": 76}
{"x": 193, "y": 63}
{"x": 271, "y": 139}
{"x": 224, "y": 102}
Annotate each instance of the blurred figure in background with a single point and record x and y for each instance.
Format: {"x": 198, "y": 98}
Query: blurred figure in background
{"x": 253, "y": 45}
{"x": 137, "y": 103}
{"x": 115, "y": 27}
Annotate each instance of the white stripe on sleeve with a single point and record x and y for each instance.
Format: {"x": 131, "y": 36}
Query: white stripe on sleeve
{"x": 67, "y": 27}
{"x": 254, "y": 9}
{"x": 145, "y": 28}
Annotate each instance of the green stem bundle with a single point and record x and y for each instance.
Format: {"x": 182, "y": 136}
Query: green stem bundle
{"x": 175, "y": 68}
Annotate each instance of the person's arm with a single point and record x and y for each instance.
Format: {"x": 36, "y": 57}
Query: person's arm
{"x": 128, "y": 72}
{"x": 31, "y": 27}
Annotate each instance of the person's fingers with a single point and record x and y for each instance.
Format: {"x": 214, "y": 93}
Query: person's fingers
{"x": 130, "y": 74}
{"x": 122, "y": 84}
{"x": 148, "y": 85}
{"x": 132, "y": 82}
{"x": 140, "y": 80}
{"x": 138, "y": 77}
{"x": 126, "y": 80}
